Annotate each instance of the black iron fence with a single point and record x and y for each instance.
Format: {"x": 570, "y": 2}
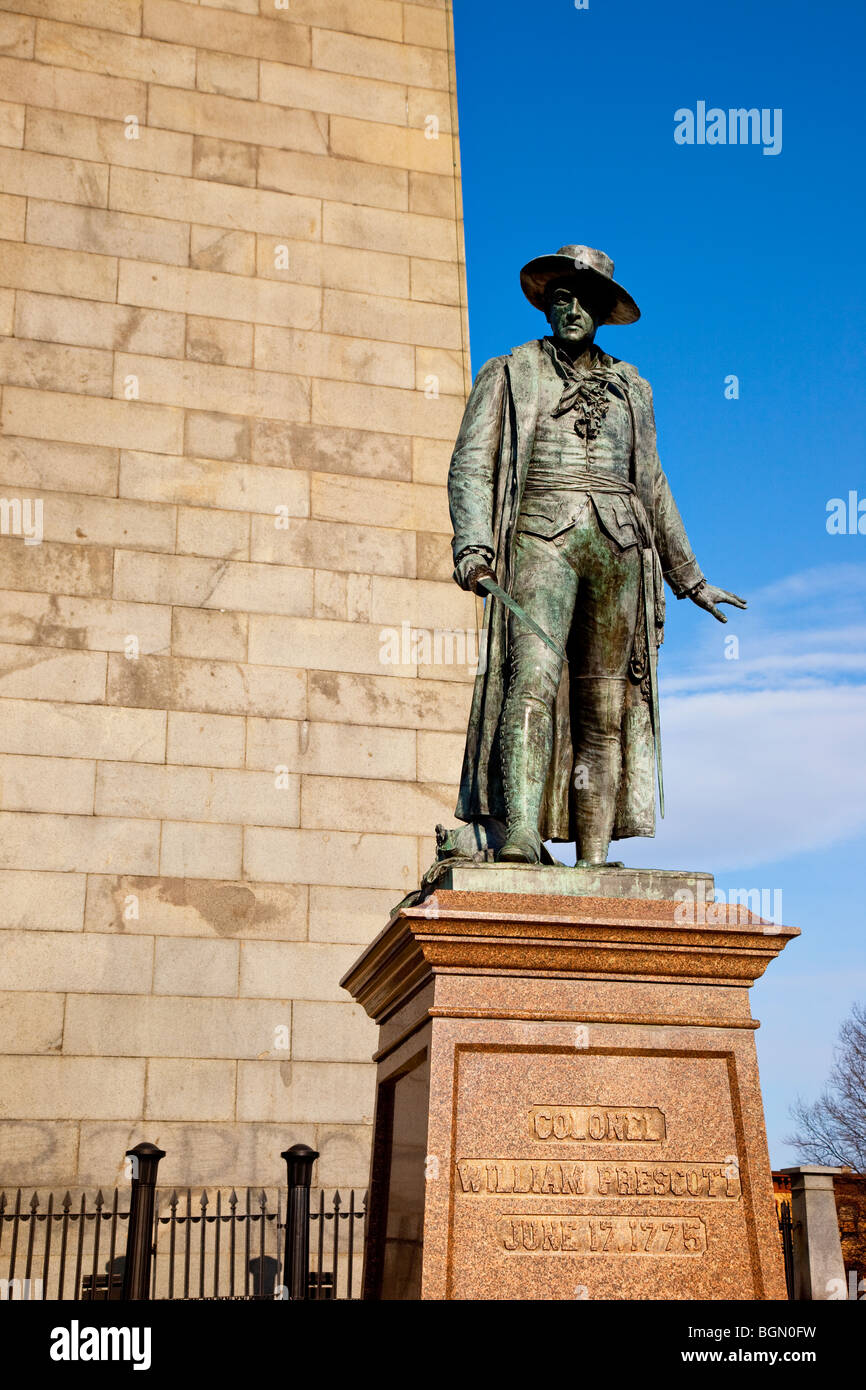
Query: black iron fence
{"x": 786, "y": 1235}
{"x": 154, "y": 1242}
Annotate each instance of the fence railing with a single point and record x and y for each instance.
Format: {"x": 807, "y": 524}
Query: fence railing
{"x": 53, "y": 1252}
{"x": 160, "y": 1243}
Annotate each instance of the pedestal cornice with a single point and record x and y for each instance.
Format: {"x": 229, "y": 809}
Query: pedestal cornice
{"x": 534, "y": 935}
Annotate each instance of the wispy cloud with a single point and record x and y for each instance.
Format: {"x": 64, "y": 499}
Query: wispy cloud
{"x": 755, "y": 776}
{"x": 764, "y": 754}
{"x": 806, "y": 629}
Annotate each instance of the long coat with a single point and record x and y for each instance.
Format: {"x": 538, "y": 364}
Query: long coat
{"x": 485, "y": 487}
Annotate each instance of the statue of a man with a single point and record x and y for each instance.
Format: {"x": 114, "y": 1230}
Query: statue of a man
{"x": 557, "y": 494}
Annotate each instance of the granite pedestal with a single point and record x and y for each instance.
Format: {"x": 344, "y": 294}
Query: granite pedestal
{"x": 568, "y": 1104}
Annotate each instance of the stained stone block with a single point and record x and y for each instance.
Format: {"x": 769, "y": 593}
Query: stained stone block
{"x": 46, "y": 673}
{"x": 108, "y": 233}
{"x": 231, "y": 285}
{"x": 226, "y": 76}
{"x": 7, "y": 297}
{"x": 68, "y": 962}
{"x": 114, "y": 55}
{"x": 321, "y": 176}
{"x": 213, "y": 248}
{"x": 34, "y": 1152}
{"x": 189, "y": 1089}
{"x": 104, "y": 141}
{"x": 380, "y": 19}
{"x": 224, "y": 161}
{"x": 189, "y": 850}
{"x": 344, "y": 1155}
{"x": 190, "y": 967}
{"x": 160, "y": 683}
{"x": 221, "y": 117}
{"x": 222, "y": 343}
{"x": 53, "y": 566}
{"x": 32, "y": 900}
{"x": 194, "y": 907}
{"x": 46, "y": 176}
{"x": 83, "y": 731}
{"x": 204, "y": 632}
{"x": 56, "y": 365}
{"x": 77, "y": 274}
{"x": 226, "y": 32}
{"x": 59, "y": 467}
{"x": 67, "y": 90}
{"x": 340, "y": 858}
{"x": 87, "y": 420}
{"x": 221, "y": 535}
{"x": 212, "y": 1152}
{"x": 176, "y": 1027}
{"x": 31, "y": 1022}
{"x": 218, "y": 205}
{"x": 92, "y": 324}
{"x": 422, "y": 67}
{"x": 377, "y": 229}
{"x": 70, "y": 1088}
{"x": 337, "y": 93}
{"x": 310, "y": 1092}
{"x": 68, "y": 844}
{"x": 205, "y": 740}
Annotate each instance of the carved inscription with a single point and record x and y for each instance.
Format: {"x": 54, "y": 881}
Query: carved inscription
{"x": 605, "y": 1234}
{"x": 628, "y": 1178}
{"x": 585, "y": 1179}
{"x": 603, "y": 1123}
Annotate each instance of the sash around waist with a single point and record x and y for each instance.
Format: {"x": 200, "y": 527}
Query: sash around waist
{"x": 585, "y": 482}
{"x": 544, "y": 480}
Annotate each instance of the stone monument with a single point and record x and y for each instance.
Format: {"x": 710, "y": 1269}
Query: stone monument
{"x": 568, "y": 1102}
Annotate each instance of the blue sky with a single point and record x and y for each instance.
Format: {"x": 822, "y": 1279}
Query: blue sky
{"x": 747, "y": 264}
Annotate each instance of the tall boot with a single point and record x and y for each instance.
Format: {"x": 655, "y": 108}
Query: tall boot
{"x": 600, "y": 752}
{"x": 525, "y": 743}
{"x": 596, "y": 806}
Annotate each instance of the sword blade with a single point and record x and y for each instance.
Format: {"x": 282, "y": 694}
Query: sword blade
{"x": 493, "y": 588}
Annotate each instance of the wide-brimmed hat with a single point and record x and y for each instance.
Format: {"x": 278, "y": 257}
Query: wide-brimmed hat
{"x": 578, "y": 260}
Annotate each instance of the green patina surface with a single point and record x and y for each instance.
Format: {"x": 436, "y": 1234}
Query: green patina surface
{"x": 557, "y": 493}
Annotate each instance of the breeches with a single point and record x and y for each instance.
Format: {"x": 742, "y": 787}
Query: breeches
{"x": 584, "y": 591}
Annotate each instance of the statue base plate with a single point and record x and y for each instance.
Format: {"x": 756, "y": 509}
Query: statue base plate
{"x": 568, "y": 1104}
{"x": 564, "y": 881}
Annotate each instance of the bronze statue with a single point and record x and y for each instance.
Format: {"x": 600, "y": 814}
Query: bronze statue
{"x": 563, "y": 515}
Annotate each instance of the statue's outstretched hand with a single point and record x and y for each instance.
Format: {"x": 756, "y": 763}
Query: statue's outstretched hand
{"x": 470, "y": 568}
{"x": 707, "y": 596}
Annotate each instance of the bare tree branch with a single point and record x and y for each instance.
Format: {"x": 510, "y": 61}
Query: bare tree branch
{"x": 832, "y": 1129}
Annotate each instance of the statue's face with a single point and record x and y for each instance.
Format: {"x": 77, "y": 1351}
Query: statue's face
{"x": 569, "y": 312}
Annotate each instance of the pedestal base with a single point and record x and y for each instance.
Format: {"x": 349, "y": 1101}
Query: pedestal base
{"x": 568, "y": 1102}
{"x": 564, "y": 880}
